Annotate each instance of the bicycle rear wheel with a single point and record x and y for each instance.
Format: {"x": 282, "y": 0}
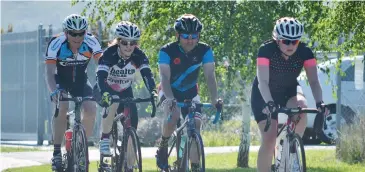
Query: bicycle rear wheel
{"x": 297, "y": 162}
{"x": 80, "y": 153}
{"x": 186, "y": 164}
{"x": 134, "y": 152}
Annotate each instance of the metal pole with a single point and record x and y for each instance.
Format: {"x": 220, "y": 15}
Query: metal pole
{"x": 40, "y": 114}
{"x": 46, "y": 100}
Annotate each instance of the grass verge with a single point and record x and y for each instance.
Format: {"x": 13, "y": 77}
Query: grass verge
{"x": 317, "y": 161}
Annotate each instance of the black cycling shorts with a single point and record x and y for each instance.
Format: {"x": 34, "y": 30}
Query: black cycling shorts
{"x": 128, "y": 93}
{"x": 190, "y": 94}
{"x": 280, "y": 98}
{"x": 79, "y": 89}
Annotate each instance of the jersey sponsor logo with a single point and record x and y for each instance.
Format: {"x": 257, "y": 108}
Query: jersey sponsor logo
{"x": 195, "y": 59}
{"x": 70, "y": 61}
{"x": 177, "y": 60}
{"x": 121, "y": 73}
{"x": 118, "y": 81}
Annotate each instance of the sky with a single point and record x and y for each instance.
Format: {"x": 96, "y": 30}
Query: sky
{"x": 27, "y": 15}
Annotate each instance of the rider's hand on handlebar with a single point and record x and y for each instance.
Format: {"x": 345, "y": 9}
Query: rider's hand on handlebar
{"x": 218, "y": 104}
{"x": 106, "y": 100}
{"x": 322, "y": 107}
{"x": 171, "y": 103}
{"x": 56, "y": 95}
{"x": 154, "y": 96}
{"x": 269, "y": 107}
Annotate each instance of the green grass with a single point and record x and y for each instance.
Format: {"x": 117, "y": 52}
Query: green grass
{"x": 317, "y": 161}
{"x": 17, "y": 149}
{"x": 229, "y": 130}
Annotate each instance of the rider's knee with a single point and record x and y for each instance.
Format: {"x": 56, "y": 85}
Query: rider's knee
{"x": 89, "y": 107}
{"x": 63, "y": 109}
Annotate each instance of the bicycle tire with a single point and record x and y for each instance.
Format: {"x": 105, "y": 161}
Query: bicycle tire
{"x": 136, "y": 147}
{"x": 116, "y": 150}
{"x": 79, "y": 129}
{"x": 184, "y": 166}
{"x": 295, "y": 138}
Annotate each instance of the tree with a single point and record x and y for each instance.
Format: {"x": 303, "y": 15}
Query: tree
{"x": 2, "y": 30}
{"x": 235, "y": 30}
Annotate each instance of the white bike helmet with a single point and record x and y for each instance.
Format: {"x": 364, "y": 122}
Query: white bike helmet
{"x": 75, "y": 22}
{"x": 127, "y": 30}
{"x": 288, "y": 28}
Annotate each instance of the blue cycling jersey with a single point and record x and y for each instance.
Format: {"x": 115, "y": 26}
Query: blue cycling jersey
{"x": 184, "y": 66}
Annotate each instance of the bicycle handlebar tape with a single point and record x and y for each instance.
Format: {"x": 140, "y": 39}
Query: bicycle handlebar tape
{"x": 268, "y": 122}
{"x": 153, "y": 107}
{"x": 218, "y": 115}
{"x": 105, "y": 114}
{"x": 56, "y": 112}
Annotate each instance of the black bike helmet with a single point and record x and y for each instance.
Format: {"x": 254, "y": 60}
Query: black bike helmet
{"x": 188, "y": 23}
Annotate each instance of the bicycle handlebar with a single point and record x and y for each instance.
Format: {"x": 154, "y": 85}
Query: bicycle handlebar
{"x": 290, "y": 112}
{"x": 133, "y": 100}
{"x": 203, "y": 105}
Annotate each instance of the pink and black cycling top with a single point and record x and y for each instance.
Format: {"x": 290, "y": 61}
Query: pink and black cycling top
{"x": 284, "y": 73}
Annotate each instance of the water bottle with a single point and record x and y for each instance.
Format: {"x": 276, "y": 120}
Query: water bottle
{"x": 68, "y": 139}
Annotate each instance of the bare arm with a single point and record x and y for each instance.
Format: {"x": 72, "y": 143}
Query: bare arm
{"x": 50, "y": 77}
{"x": 263, "y": 76}
{"x": 165, "y": 74}
{"x": 312, "y": 75}
{"x": 209, "y": 73}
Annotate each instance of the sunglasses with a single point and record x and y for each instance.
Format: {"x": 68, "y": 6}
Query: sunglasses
{"x": 73, "y": 34}
{"x": 186, "y": 36}
{"x": 131, "y": 43}
{"x": 288, "y": 42}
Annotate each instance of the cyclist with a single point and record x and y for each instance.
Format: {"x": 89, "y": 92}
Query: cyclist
{"x": 179, "y": 64}
{"x": 115, "y": 74}
{"x": 279, "y": 63}
{"x": 67, "y": 57}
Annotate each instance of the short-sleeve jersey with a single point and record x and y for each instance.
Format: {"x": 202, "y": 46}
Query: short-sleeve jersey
{"x": 71, "y": 68}
{"x": 185, "y": 66}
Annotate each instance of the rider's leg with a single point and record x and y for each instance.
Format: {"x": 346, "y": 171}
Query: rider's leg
{"x": 268, "y": 138}
{"x": 59, "y": 126}
{"x": 169, "y": 125}
{"x": 88, "y": 116}
{"x": 267, "y": 147}
{"x": 107, "y": 124}
{"x": 299, "y": 100}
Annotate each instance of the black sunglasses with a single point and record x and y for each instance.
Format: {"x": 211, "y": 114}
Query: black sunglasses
{"x": 288, "y": 42}
{"x": 73, "y": 34}
{"x": 131, "y": 43}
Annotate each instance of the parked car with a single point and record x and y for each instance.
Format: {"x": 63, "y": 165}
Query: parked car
{"x": 352, "y": 98}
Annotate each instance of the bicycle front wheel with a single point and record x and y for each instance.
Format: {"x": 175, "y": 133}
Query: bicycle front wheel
{"x": 296, "y": 154}
{"x": 130, "y": 157}
{"x": 193, "y": 158}
{"x": 80, "y": 153}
